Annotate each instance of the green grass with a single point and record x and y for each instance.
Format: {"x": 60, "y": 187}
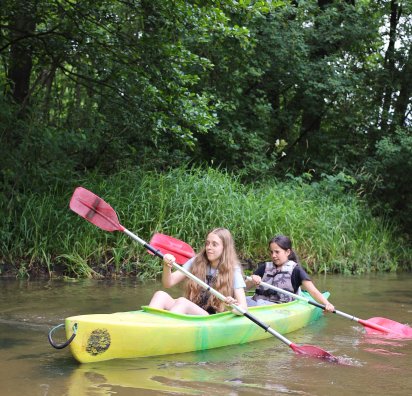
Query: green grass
{"x": 332, "y": 231}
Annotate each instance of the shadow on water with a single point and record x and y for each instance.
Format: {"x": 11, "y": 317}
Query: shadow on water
{"x": 10, "y": 343}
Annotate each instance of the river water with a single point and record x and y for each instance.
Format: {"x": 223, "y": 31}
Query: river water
{"x": 374, "y": 365}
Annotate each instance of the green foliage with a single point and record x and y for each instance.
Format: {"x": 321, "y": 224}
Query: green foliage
{"x": 332, "y": 230}
{"x": 260, "y": 89}
{"x": 391, "y": 191}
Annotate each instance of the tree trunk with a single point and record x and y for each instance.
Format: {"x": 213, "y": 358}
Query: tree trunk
{"x": 389, "y": 68}
{"x": 403, "y": 101}
{"x": 22, "y": 25}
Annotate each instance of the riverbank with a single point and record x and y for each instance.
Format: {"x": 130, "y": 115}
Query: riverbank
{"x": 332, "y": 230}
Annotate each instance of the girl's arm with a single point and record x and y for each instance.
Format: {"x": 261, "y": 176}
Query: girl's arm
{"x": 317, "y": 295}
{"x": 240, "y": 300}
{"x": 169, "y": 278}
{"x": 256, "y": 279}
{"x": 240, "y": 297}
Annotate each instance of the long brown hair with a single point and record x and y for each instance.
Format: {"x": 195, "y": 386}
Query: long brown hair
{"x": 224, "y": 281}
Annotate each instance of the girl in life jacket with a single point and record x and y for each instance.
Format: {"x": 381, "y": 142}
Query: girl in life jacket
{"x": 217, "y": 265}
{"x": 285, "y": 272}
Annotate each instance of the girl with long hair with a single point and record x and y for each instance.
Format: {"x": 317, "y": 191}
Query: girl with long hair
{"x": 217, "y": 265}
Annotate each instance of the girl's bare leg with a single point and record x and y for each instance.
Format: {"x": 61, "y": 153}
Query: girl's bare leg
{"x": 162, "y": 300}
{"x": 184, "y": 306}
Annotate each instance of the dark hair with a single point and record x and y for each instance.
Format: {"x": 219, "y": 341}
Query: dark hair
{"x": 285, "y": 243}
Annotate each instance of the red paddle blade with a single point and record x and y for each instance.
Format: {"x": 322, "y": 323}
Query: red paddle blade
{"x": 388, "y": 326}
{"x": 313, "y": 351}
{"x": 167, "y": 244}
{"x": 94, "y": 209}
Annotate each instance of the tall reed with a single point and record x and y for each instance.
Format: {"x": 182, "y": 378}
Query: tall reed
{"x": 332, "y": 231}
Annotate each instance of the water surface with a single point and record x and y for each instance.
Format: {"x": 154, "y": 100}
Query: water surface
{"x": 374, "y": 365}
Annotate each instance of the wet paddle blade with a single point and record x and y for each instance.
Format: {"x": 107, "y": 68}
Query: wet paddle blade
{"x": 167, "y": 244}
{"x": 313, "y": 351}
{"x": 94, "y": 209}
{"x": 388, "y": 326}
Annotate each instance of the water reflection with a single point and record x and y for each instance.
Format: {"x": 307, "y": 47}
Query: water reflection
{"x": 221, "y": 372}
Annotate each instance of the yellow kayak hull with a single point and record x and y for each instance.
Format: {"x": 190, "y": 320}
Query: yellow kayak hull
{"x": 152, "y": 332}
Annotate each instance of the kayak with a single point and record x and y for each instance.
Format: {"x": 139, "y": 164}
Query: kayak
{"x": 153, "y": 332}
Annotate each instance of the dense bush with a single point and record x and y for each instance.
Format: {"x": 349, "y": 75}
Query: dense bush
{"x": 391, "y": 189}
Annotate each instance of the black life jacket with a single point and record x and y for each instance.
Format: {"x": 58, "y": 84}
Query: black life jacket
{"x": 204, "y": 297}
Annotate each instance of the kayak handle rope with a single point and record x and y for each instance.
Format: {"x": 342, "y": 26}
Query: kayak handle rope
{"x": 64, "y": 345}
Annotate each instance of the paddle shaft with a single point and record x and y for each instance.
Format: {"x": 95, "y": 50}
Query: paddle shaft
{"x": 316, "y": 304}
{"x": 220, "y": 296}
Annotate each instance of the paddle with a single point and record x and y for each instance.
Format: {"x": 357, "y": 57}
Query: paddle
{"x": 98, "y": 212}
{"x": 166, "y": 244}
{"x": 372, "y": 325}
